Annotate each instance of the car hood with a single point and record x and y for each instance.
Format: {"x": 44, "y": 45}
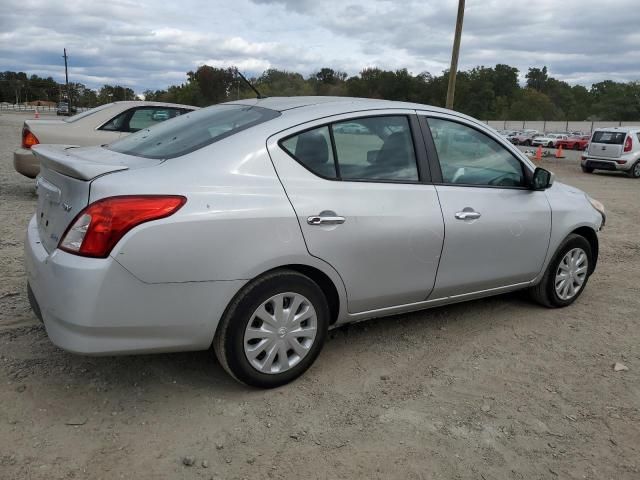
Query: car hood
{"x": 568, "y": 189}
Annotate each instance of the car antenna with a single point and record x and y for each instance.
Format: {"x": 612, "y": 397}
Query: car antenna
{"x": 258, "y": 94}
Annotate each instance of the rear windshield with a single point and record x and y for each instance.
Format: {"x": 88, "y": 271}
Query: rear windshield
{"x": 192, "y": 131}
{"x": 613, "y": 138}
{"x": 86, "y": 113}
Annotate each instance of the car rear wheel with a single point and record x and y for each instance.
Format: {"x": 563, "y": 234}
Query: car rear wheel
{"x": 527, "y": 143}
{"x": 576, "y": 146}
{"x": 566, "y": 275}
{"x": 550, "y": 145}
{"x": 273, "y": 330}
{"x": 635, "y": 170}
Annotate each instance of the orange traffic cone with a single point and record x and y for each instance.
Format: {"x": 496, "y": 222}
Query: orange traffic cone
{"x": 538, "y": 156}
{"x": 37, "y": 113}
{"x": 559, "y": 152}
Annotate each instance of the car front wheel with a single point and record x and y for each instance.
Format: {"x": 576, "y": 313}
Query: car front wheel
{"x": 566, "y": 275}
{"x": 587, "y": 169}
{"x": 273, "y": 330}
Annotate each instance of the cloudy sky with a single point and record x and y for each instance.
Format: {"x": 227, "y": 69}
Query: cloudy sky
{"x": 151, "y": 44}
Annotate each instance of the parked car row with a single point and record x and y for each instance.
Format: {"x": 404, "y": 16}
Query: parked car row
{"x": 608, "y": 148}
{"x": 570, "y": 140}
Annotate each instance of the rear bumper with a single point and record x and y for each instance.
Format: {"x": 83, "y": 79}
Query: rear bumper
{"x": 96, "y": 307}
{"x": 605, "y": 164}
{"x": 26, "y": 163}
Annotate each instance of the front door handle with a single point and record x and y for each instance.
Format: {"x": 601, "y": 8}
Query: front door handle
{"x": 467, "y": 215}
{"x": 325, "y": 218}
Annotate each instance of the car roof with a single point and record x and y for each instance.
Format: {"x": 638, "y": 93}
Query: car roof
{"x": 144, "y": 103}
{"x": 617, "y": 129}
{"x": 338, "y": 104}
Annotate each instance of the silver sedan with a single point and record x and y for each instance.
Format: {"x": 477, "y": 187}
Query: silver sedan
{"x": 256, "y": 226}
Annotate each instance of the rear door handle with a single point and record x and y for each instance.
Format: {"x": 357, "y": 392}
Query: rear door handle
{"x": 324, "y": 219}
{"x": 467, "y": 215}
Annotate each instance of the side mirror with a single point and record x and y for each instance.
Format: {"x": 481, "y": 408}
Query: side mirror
{"x": 541, "y": 179}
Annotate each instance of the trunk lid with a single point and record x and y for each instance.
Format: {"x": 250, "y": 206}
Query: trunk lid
{"x": 607, "y": 144}
{"x": 64, "y": 183}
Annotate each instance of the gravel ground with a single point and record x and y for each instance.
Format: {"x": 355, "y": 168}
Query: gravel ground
{"x": 497, "y": 388}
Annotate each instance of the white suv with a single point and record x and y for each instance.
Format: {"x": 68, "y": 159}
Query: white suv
{"x": 614, "y": 149}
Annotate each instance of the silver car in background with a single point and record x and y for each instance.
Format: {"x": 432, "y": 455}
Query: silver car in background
{"x": 255, "y": 226}
{"x": 613, "y": 149}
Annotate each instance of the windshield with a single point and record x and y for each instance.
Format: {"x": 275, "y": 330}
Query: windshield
{"x": 87, "y": 113}
{"x": 192, "y": 131}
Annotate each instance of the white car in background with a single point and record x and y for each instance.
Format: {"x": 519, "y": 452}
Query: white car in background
{"x": 549, "y": 140}
{"x": 98, "y": 126}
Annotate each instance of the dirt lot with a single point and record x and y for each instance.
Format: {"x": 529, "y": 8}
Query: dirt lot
{"x": 498, "y": 388}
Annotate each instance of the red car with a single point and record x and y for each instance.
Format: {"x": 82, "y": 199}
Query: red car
{"x": 579, "y": 142}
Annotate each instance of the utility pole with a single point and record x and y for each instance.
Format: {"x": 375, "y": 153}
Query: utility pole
{"x": 66, "y": 76}
{"x": 451, "y": 90}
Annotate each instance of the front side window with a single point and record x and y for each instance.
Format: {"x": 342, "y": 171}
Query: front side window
{"x": 374, "y": 148}
{"x": 469, "y": 157}
{"x": 192, "y": 131}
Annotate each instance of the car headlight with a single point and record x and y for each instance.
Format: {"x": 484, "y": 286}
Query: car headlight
{"x": 599, "y": 207}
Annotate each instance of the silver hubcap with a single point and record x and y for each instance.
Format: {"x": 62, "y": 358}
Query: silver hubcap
{"x": 636, "y": 169}
{"x": 280, "y": 333}
{"x": 571, "y": 273}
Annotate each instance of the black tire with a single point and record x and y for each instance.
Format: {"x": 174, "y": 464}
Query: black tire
{"x": 550, "y": 145}
{"x": 228, "y": 342}
{"x": 576, "y": 146}
{"x": 544, "y": 292}
{"x": 634, "y": 172}
{"x": 587, "y": 169}
{"x": 527, "y": 143}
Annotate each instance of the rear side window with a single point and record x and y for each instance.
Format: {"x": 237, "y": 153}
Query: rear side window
{"x": 375, "y": 148}
{"x": 612, "y": 138}
{"x": 378, "y": 148}
{"x": 313, "y": 149}
{"x": 192, "y": 131}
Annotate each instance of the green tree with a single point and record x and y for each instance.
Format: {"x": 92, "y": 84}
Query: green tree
{"x": 533, "y": 105}
{"x": 537, "y": 78}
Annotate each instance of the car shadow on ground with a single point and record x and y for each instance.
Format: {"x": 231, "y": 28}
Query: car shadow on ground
{"x": 54, "y": 368}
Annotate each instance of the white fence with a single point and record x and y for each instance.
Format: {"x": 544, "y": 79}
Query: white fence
{"x": 554, "y": 126}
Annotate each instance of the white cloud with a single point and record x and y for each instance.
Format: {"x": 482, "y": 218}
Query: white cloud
{"x": 146, "y": 44}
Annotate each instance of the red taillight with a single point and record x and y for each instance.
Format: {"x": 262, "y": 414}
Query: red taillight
{"x": 28, "y": 138}
{"x": 96, "y": 229}
{"x": 627, "y": 144}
